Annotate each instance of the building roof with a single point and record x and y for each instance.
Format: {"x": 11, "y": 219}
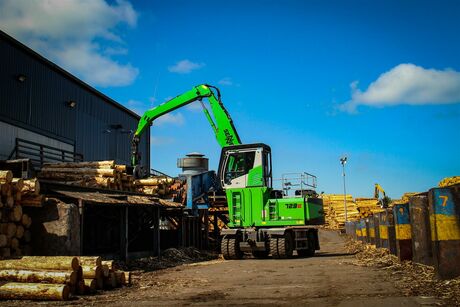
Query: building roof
{"x": 65, "y": 73}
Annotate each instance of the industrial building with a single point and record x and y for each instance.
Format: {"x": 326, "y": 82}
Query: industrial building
{"x": 47, "y": 114}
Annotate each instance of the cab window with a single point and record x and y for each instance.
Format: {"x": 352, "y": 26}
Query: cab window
{"x": 238, "y": 164}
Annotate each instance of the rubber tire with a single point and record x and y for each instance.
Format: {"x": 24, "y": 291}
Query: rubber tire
{"x": 282, "y": 247}
{"x": 230, "y": 248}
{"x": 310, "y": 252}
{"x": 260, "y": 254}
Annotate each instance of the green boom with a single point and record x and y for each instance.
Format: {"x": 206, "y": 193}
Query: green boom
{"x": 223, "y": 127}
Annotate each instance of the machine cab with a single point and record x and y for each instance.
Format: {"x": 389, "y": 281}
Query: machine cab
{"x": 244, "y": 166}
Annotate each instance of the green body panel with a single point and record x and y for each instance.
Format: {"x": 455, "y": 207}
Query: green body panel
{"x": 252, "y": 207}
{"x": 256, "y": 177}
{"x": 223, "y": 127}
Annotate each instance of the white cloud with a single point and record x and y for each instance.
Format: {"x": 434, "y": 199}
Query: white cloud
{"x": 226, "y": 81}
{"x": 136, "y": 106}
{"x": 71, "y": 32}
{"x": 170, "y": 119}
{"x": 194, "y": 106}
{"x": 407, "y": 84}
{"x": 185, "y": 67}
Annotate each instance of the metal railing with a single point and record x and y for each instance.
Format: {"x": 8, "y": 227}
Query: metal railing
{"x": 39, "y": 153}
{"x": 297, "y": 182}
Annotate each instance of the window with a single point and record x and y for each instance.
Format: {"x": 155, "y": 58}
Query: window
{"x": 238, "y": 164}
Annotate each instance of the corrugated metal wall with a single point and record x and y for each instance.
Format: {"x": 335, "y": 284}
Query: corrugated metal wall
{"x": 98, "y": 127}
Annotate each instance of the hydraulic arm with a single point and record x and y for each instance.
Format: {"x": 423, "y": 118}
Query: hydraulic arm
{"x": 223, "y": 126}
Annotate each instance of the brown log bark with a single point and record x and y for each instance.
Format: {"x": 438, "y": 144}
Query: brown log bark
{"x": 17, "y": 183}
{"x": 8, "y": 229}
{"x": 65, "y": 263}
{"x": 35, "y": 201}
{"x": 81, "y": 287}
{"x": 26, "y": 221}
{"x": 120, "y": 276}
{"x": 105, "y": 270}
{"x": 92, "y": 272}
{"x": 33, "y": 291}
{"x": 107, "y": 172}
{"x": 50, "y": 277}
{"x": 31, "y": 187}
{"x": 19, "y": 231}
{"x": 5, "y": 189}
{"x": 9, "y": 201}
{"x": 6, "y": 176}
{"x": 90, "y": 285}
{"x": 111, "y": 264}
{"x": 92, "y": 164}
{"x": 15, "y": 214}
{"x": 14, "y": 243}
{"x": 91, "y": 261}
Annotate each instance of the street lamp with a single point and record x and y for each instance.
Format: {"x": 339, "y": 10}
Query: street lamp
{"x": 343, "y": 161}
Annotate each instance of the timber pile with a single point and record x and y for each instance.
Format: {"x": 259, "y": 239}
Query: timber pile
{"x": 57, "y": 277}
{"x": 449, "y": 181}
{"x": 108, "y": 175}
{"x": 16, "y": 193}
{"x": 368, "y": 206}
{"x": 334, "y": 209}
{"x": 97, "y": 174}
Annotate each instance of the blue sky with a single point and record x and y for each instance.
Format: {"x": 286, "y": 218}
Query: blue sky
{"x": 377, "y": 81}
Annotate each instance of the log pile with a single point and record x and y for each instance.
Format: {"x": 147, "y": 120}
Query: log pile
{"x": 334, "y": 208}
{"x": 108, "y": 175}
{"x": 449, "y": 181}
{"x": 97, "y": 174}
{"x": 368, "y": 206}
{"x": 57, "y": 277}
{"x": 16, "y": 193}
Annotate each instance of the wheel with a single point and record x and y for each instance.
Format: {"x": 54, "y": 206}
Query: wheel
{"x": 230, "y": 248}
{"x": 282, "y": 247}
{"x": 310, "y": 251}
{"x": 260, "y": 254}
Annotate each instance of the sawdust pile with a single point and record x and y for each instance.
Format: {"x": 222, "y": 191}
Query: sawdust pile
{"x": 413, "y": 278}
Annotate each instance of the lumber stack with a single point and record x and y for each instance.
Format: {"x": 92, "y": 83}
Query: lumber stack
{"x": 57, "y": 277}
{"x": 16, "y": 193}
{"x": 96, "y": 174}
{"x": 334, "y": 207}
{"x": 449, "y": 181}
{"x": 108, "y": 175}
{"x": 161, "y": 186}
{"x": 368, "y": 206}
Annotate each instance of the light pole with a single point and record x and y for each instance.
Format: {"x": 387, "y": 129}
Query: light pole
{"x": 343, "y": 161}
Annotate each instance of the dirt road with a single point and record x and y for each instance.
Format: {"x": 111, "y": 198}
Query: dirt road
{"x": 328, "y": 279}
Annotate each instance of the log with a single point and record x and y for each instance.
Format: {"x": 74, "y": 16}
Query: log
{"x": 110, "y": 282}
{"x": 90, "y": 285}
{"x": 14, "y": 243}
{"x": 91, "y": 261}
{"x": 111, "y": 264}
{"x": 16, "y": 214}
{"x": 65, "y": 263}
{"x": 120, "y": 168}
{"x": 107, "y": 172}
{"x": 16, "y": 252}
{"x": 154, "y": 181}
{"x": 3, "y": 240}
{"x": 105, "y": 270}
{"x": 127, "y": 277}
{"x": 17, "y": 183}
{"x": 100, "y": 283}
{"x": 33, "y": 291}
{"x": 19, "y": 231}
{"x": 92, "y": 272}
{"x": 92, "y": 164}
{"x": 8, "y": 229}
{"x": 35, "y": 201}
{"x": 9, "y": 201}
{"x": 50, "y": 277}
{"x": 26, "y": 221}
{"x": 31, "y": 187}
{"x": 6, "y": 176}
{"x": 5, "y": 189}
{"x": 120, "y": 277}
{"x": 81, "y": 287}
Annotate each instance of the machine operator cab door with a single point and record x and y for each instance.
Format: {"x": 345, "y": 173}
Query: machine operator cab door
{"x": 243, "y": 166}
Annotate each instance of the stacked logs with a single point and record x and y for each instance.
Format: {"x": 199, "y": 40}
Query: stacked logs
{"x": 57, "y": 277}
{"x": 368, "y": 206}
{"x": 97, "y": 174}
{"x": 108, "y": 175}
{"x": 161, "y": 186}
{"x": 334, "y": 207}
{"x": 16, "y": 193}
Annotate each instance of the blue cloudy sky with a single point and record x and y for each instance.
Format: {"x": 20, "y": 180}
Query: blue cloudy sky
{"x": 378, "y": 81}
